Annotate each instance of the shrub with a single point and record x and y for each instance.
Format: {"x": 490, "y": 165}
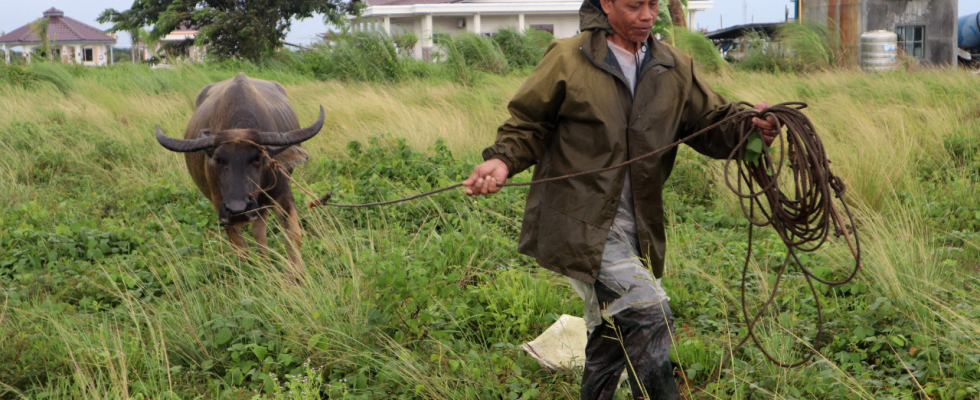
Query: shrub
{"x": 522, "y": 50}
{"x": 760, "y": 54}
{"x": 406, "y": 42}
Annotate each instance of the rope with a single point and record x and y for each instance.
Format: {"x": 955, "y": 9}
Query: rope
{"x": 803, "y": 217}
{"x": 746, "y": 113}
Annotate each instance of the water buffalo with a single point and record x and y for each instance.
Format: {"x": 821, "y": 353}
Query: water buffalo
{"x": 234, "y": 122}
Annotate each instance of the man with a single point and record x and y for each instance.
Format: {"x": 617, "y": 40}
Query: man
{"x": 608, "y": 94}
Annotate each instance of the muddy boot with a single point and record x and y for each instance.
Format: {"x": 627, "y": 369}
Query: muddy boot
{"x": 645, "y": 331}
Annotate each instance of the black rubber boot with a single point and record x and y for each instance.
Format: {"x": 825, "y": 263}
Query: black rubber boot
{"x": 646, "y": 332}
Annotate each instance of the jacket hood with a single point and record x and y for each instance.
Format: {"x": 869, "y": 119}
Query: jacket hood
{"x": 591, "y": 17}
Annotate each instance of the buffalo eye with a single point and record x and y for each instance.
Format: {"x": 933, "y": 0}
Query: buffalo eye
{"x": 220, "y": 161}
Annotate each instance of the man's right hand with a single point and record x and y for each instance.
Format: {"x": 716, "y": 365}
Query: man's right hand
{"x": 486, "y": 176}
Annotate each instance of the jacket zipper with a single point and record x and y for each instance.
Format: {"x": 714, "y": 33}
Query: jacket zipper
{"x": 629, "y": 116}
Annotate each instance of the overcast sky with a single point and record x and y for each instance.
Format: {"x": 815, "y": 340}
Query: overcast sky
{"x": 16, "y": 13}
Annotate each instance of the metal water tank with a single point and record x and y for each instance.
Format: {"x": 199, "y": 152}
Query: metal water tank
{"x": 969, "y": 31}
{"x": 879, "y": 51}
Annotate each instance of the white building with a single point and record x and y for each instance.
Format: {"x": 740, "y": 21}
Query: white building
{"x": 425, "y": 17}
{"x": 183, "y": 34}
{"x": 70, "y": 40}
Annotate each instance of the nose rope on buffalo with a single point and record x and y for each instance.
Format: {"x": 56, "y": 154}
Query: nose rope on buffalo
{"x": 803, "y": 219}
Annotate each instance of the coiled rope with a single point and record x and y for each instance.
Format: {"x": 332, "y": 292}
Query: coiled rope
{"x": 803, "y": 217}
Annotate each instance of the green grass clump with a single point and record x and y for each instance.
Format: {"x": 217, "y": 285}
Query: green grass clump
{"x": 39, "y": 74}
{"x": 704, "y": 53}
{"x": 469, "y": 53}
{"x": 522, "y": 51}
{"x": 797, "y": 47}
{"x": 812, "y": 46}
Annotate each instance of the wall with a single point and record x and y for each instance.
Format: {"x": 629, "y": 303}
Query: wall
{"x": 938, "y": 16}
{"x": 450, "y": 25}
{"x": 566, "y": 25}
{"x": 854, "y": 17}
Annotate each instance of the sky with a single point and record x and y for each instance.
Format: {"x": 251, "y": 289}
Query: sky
{"x": 16, "y": 13}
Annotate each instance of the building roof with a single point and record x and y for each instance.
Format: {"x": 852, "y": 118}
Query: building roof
{"x": 61, "y": 29}
{"x": 738, "y": 31}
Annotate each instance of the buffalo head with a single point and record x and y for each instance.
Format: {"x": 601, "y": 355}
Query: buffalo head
{"x": 235, "y": 164}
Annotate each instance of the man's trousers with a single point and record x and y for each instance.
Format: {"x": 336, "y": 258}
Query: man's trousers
{"x": 630, "y": 327}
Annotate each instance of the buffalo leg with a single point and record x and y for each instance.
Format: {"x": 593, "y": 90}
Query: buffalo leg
{"x": 294, "y": 240}
{"x": 237, "y": 240}
{"x": 260, "y": 228}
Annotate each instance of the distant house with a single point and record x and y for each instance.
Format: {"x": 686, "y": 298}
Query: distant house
{"x": 71, "y": 40}
{"x": 426, "y": 17}
{"x": 927, "y": 29}
{"x": 182, "y": 38}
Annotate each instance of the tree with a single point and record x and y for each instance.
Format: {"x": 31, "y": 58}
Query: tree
{"x": 142, "y": 39}
{"x": 40, "y": 29}
{"x": 677, "y": 14}
{"x": 247, "y": 29}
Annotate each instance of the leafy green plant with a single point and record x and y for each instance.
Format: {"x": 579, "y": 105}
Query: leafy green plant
{"x": 406, "y": 42}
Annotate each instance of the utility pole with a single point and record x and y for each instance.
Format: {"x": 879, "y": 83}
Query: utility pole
{"x": 745, "y": 11}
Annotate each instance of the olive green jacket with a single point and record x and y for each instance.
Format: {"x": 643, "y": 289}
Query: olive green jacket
{"x": 575, "y": 113}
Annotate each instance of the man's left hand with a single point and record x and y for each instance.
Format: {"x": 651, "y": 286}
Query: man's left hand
{"x": 769, "y": 128}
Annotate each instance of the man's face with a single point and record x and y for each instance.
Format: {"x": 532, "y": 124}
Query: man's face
{"x": 632, "y": 19}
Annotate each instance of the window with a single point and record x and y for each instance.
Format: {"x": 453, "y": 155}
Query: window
{"x": 550, "y": 28}
{"x": 87, "y": 55}
{"x": 912, "y": 39}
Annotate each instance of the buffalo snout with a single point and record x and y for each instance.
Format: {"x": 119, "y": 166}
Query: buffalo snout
{"x": 238, "y": 210}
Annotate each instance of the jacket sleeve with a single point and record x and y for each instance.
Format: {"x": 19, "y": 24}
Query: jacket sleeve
{"x": 703, "y": 108}
{"x": 524, "y": 137}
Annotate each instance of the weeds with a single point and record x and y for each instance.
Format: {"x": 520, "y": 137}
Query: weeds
{"x": 116, "y": 281}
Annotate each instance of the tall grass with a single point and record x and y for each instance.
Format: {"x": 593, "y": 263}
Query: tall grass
{"x": 469, "y": 53}
{"x": 87, "y": 172}
{"x": 705, "y": 54}
{"x": 811, "y": 46}
{"x": 360, "y": 56}
{"x": 522, "y": 50}
{"x": 805, "y": 46}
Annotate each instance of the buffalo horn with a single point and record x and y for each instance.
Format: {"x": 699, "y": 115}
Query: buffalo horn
{"x": 183, "y": 145}
{"x": 292, "y": 137}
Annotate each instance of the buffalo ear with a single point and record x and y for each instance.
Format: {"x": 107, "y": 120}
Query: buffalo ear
{"x": 203, "y": 133}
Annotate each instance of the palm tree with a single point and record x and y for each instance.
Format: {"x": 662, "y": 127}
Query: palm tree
{"x": 40, "y": 29}
{"x": 142, "y": 39}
